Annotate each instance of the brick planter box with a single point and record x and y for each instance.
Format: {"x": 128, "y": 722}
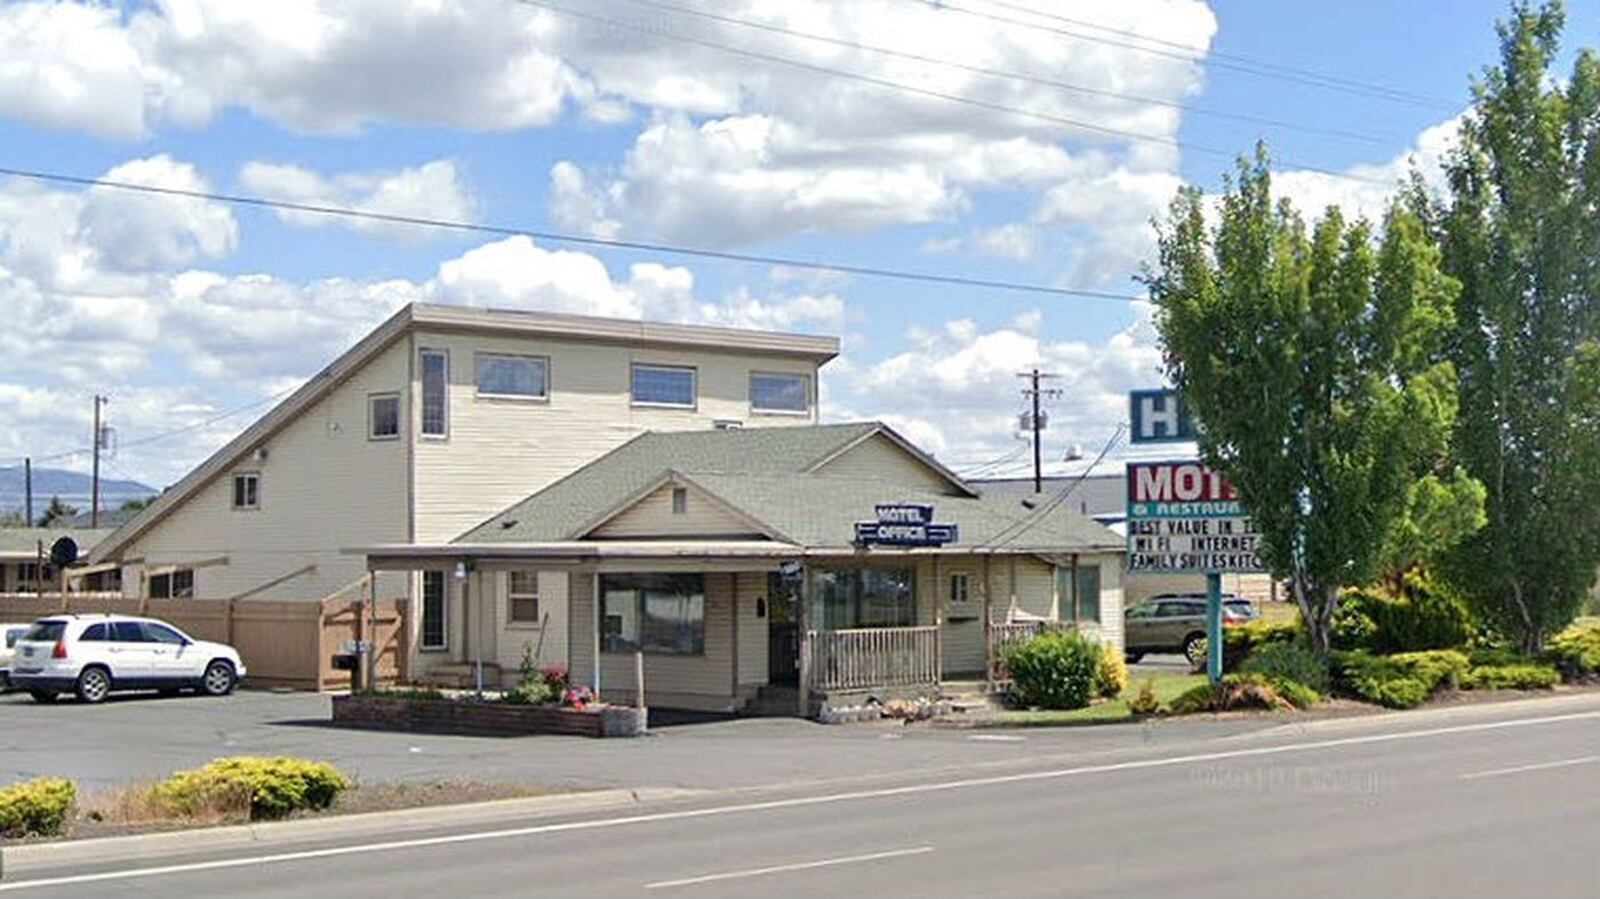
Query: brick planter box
{"x": 484, "y": 719}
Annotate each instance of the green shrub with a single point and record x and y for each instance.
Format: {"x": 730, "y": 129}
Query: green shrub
{"x": 426, "y": 694}
{"x": 1399, "y": 681}
{"x": 1290, "y": 662}
{"x": 531, "y": 692}
{"x": 1237, "y": 691}
{"x": 1576, "y": 651}
{"x": 1110, "y": 673}
{"x": 1145, "y": 703}
{"x": 1495, "y": 655}
{"x": 1426, "y": 616}
{"x": 37, "y": 807}
{"x": 1295, "y": 693}
{"x": 273, "y": 787}
{"x": 1054, "y": 670}
{"x": 1240, "y": 641}
{"x": 1523, "y": 676}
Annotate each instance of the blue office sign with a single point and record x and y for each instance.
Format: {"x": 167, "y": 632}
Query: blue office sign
{"x": 904, "y": 524}
{"x": 1159, "y": 416}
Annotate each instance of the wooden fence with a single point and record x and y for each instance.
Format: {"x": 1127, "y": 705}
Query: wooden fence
{"x": 284, "y": 643}
{"x": 1004, "y": 636}
{"x": 869, "y": 657}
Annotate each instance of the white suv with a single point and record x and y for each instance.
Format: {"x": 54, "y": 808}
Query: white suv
{"x": 94, "y": 655}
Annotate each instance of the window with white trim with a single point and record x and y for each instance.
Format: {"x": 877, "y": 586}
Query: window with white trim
{"x": 663, "y": 385}
{"x": 960, "y": 587}
{"x": 247, "y": 490}
{"x": 175, "y": 584}
{"x": 504, "y": 376}
{"x": 433, "y": 634}
{"x": 780, "y": 393}
{"x": 435, "y": 393}
{"x": 383, "y": 416}
{"x": 522, "y": 597}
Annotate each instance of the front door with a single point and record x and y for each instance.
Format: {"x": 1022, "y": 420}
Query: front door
{"x": 783, "y": 632}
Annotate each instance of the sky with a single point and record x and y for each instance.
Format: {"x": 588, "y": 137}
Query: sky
{"x": 732, "y": 130}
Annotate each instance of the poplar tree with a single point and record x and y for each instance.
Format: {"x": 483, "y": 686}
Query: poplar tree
{"x": 1312, "y": 360}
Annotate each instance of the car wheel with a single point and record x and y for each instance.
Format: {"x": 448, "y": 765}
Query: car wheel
{"x": 42, "y": 696}
{"x": 1194, "y": 649}
{"x": 94, "y": 685}
{"x": 218, "y": 679}
{"x": 1132, "y": 658}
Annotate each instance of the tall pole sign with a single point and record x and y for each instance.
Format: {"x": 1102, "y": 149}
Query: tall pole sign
{"x": 1183, "y": 517}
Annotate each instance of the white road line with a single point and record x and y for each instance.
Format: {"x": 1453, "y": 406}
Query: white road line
{"x": 796, "y": 802}
{"x": 997, "y": 738}
{"x": 781, "y": 869}
{"x": 1542, "y": 766}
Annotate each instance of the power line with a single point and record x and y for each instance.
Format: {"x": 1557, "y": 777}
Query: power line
{"x": 1192, "y": 53}
{"x": 935, "y": 94}
{"x": 557, "y": 237}
{"x": 1012, "y": 75}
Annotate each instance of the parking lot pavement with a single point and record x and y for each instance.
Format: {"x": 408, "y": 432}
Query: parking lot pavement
{"x": 137, "y": 738}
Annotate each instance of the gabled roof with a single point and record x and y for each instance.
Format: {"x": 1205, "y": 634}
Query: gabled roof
{"x": 1095, "y": 495}
{"x": 23, "y": 543}
{"x": 776, "y": 478}
{"x": 457, "y": 318}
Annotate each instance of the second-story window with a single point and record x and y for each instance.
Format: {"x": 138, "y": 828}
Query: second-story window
{"x": 513, "y": 377}
{"x": 664, "y": 385}
{"x": 435, "y": 393}
{"x": 383, "y": 416}
{"x": 247, "y": 491}
{"x": 782, "y": 393}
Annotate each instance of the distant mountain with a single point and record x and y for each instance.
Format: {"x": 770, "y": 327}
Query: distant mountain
{"x": 73, "y": 488}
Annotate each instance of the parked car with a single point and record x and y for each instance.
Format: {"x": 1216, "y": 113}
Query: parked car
{"x": 9, "y": 634}
{"x": 1176, "y": 622}
{"x": 93, "y": 656}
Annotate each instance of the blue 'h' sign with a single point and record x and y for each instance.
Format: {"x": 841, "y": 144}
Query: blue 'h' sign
{"x": 1159, "y": 416}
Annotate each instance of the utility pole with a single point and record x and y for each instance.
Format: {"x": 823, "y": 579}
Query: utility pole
{"x": 27, "y": 490}
{"x": 1036, "y": 421}
{"x": 94, "y": 489}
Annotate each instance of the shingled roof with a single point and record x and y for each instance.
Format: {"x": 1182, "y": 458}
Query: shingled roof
{"x": 777, "y": 477}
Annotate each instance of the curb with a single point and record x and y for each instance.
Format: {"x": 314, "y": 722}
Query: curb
{"x": 34, "y": 857}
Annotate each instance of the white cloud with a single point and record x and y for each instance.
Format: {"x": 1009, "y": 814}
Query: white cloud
{"x": 1014, "y": 241}
{"x": 966, "y": 401}
{"x": 73, "y": 66}
{"x": 431, "y": 190}
{"x": 1365, "y": 190}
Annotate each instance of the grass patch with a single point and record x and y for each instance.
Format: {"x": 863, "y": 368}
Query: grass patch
{"x": 1279, "y": 612}
{"x": 1166, "y": 686}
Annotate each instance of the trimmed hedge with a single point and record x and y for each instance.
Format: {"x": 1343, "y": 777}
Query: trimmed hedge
{"x": 1524, "y": 676}
{"x": 1055, "y": 670}
{"x": 1400, "y": 681}
{"x": 273, "y": 787}
{"x": 1428, "y": 616}
{"x": 37, "y": 807}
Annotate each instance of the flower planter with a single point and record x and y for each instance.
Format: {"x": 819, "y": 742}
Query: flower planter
{"x": 485, "y": 719}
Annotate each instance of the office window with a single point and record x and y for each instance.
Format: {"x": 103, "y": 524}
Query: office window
{"x": 435, "y": 393}
{"x": 872, "y": 596}
{"x": 175, "y": 584}
{"x": 658, "y": 613}
{"x": 779, "y": 393}
{"x": 1079, "y": 592}
{"x": 522, "y": 594}
{"x": 680, "y": 500}
{"x": 383, "y": 416}
{"x": 433, "y": 610}
{"x": 959, "y": 586}
{"x": 515, "y": 377}
{"x": 664, "y": 385}
{"x": 247, "y": 491}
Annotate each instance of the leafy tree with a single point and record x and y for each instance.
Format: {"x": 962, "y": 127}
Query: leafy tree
{"x": 56, "y": 513}
{"x": 1312, "y": 360}
{"x": 133, "y": 505}
{"x": 1519, "y": 231}
{"x": 1441, "y": 510}
{"x": 12, "y": 519}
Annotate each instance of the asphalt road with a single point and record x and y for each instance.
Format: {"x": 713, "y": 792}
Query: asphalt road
{"x": 1494, "y": 802}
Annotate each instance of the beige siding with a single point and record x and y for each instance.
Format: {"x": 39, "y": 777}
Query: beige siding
{"x": 752, "y": 586}
{"x": 324, "y": 487}
{"x": 652, "y": 516}
{"x": 683, "y": 681}
{"x": 1111, "y": 598}
{"x": 499, "y": 451}
{"x": 879, "y": 458}
{"x": 581, "y": 634}
{"x": 548, "y": 639}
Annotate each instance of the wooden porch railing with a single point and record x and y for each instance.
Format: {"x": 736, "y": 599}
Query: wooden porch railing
{"x": 1004, "y": 636}
{"x": 870, "y": 657}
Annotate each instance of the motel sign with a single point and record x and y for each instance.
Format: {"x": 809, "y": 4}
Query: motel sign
{"x": 1159, "y": 416}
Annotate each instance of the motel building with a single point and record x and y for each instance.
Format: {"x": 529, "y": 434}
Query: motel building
{"x": 744, "y": 564}
{"x": 582, "y": 489}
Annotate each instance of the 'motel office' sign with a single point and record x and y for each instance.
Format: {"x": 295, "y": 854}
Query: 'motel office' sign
{"x": 904, "y": 524}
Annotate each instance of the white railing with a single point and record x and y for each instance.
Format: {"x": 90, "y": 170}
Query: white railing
{"x": 1004, "y": 636}
{"x": 871, "y": 657}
